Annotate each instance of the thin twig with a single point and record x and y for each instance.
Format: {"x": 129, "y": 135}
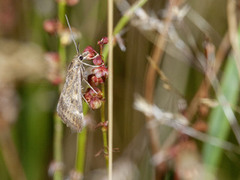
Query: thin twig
{"x": 158, "y": 53}
{"x": 205, "y": 86}
{"x": 151, "y": 75}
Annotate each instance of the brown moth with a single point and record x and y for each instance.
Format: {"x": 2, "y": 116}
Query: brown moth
{"x": 69, "y": 107}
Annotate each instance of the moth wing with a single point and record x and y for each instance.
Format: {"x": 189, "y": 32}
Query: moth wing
{"x": 69, "y": 106}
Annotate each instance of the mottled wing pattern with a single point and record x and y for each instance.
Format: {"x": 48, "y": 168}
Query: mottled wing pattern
{"x": 69, "y": 106}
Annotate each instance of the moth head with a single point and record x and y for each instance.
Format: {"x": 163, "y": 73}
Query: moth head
{"x": 80, "y": 57}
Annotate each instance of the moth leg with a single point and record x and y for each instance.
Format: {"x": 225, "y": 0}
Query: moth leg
{"x": 89, "y": 85}
{"x": 94, "y": 56}
{"x": 86, "y": 101}
{"x": 86, "y": 64}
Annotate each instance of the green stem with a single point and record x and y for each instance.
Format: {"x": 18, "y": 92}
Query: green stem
{"x": 61, "y": 11}
{"x": 58, "y": 129}
{"x": 218, "y": 123}
{"x": 104, "y": 129}
{"x": 81, "y": 145}
{"x": 58, "y": 126}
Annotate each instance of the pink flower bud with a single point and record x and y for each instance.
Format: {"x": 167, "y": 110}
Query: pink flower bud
{"x": 91, "y": 52}
{"x": 100, "y": 72}
{"x": 93, "y": 99}
{"x": 103, "y": 41}
{"x": 94, "y": 81}
{"x": 52, "y": 56}
{"x": 98, "y": 60}
{"x": 51, "y": 26}
{"x": 72, "y": 2}
{"x": 95, "y": 103}
{"x": 53, "y": 68}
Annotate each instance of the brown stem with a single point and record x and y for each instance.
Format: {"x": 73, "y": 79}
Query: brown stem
{"x": 9, "y": 152}
{"x": 204, "y": 87}
{"x": 151, "y": 79}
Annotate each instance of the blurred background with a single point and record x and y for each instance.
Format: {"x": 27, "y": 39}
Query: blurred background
{"x": 166, "y": 52}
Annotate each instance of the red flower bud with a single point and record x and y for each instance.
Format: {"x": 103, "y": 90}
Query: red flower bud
{"x": 90, "y": 52}
{"x": 103, "y": 41}
{"x": 72, "y": 2}
{"x": 100, "y": 72}
{"x": 98, "y": 60}
{"x": 94, "y": 81}
{"x": 95, "y": 103}
{"x": 94, "y": 99}
{"x": 51, "y": 26}
{"x": 52, "y": 56}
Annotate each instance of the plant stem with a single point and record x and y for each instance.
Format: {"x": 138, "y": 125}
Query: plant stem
{"x": 110, "y": 90}
{"x": 81, "y": 145}
{"x": 58, "y": 131}
{"x": 58, "y": 126}
{"x": 61, "y": 11}
{"x": 104, "y": 130}
{"x": 218, "y": 124}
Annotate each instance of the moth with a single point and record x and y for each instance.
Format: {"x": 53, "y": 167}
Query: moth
{"x": 69, "y": 107}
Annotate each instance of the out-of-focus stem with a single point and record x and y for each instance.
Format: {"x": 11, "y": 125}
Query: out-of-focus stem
{"x": 9, "y": 153}
{"x": 58, "y": 131}
{"x": 58, "y": 126}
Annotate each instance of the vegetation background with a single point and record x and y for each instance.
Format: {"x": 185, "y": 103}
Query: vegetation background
{"x": 173, "y": 52}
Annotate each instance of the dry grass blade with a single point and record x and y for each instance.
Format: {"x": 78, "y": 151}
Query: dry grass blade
{"x": 225, "y": 105}
{"x": 179, "y": 123}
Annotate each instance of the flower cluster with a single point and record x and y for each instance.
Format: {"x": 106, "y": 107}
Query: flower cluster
{"x": 98, "y": 75}
{"x": 99, "y": 72}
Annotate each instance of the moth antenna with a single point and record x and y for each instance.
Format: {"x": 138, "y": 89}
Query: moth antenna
{"x": 75, "y": 44}
{"x": 78, "y": 47}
